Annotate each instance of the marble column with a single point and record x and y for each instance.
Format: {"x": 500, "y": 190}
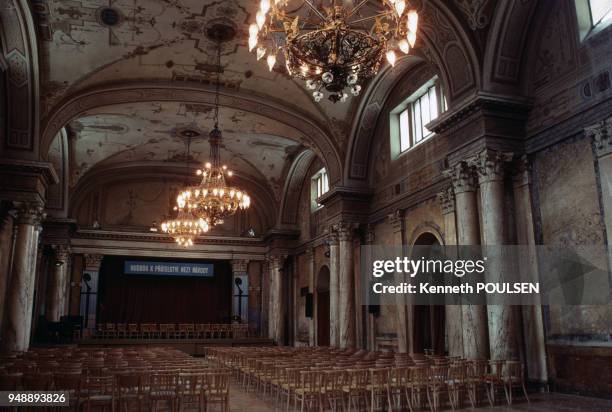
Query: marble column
{"x": 491, "y": 166}
{"x": 20, "y": 294}
{"x": 404, "y": 324}
{"x": 474, "y": 317}
{"x": 533, "y": 322}
{"x": 601, "y": 133}
{"x": 369, "y": 239}
{"x": 275, "y": 317}
{"x": 334, "y": 267}
{"x": 239, "y": 271}
{"x": 88, "y": 304}
{"x": 7, "y": 239}
{"x": 310, "y": 267}
{"x": 57, "y": 284}
{"x": 453, "y": 313}
{"x": 346, "y": 286}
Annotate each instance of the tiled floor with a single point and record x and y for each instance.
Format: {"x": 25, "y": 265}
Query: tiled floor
{"x": 249, "y": 402}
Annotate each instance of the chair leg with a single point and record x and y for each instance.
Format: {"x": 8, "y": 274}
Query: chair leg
{"x": 525, "y": 392}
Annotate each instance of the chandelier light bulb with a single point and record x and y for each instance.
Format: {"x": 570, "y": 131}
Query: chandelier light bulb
{"x": 271, "y": 61}
{"x": 413, "y": 20}
{"x": 327, "y": 77}
{"x": 230, "y": 173}
{"x": 253, "y": 30}
{"x": 208, "y": 165}
{"x": 400, "y": 6}
{"x": 304, "y": 69}
{"x": 391, "y": 57}
{"x": 311, "y": 84}
{"x": 318, "y": 96}
{"x": 260, "y": 19}
{"x": 404, "y": 46}
{"x": 411, "y": 38}
{"x": 252, "y": 43}
{"x": 261, "y": 52}
{"x": 343, "y": 97}
{"x": 352, "y": 79}
{"x": 265, "y": 6}
{"x": 356, "y": 90}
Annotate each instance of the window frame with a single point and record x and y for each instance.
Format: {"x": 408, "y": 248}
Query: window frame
{"x": 586, "y": 27}
{"x": 408, "y": 107}
{"x": 319, "y": 185}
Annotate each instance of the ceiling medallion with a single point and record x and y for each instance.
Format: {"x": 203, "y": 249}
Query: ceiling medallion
{"x": 335, "y": 46}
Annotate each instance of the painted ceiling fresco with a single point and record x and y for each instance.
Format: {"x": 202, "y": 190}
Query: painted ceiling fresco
{"x": 94, "y": 42}
{"x": 252, "y": 145}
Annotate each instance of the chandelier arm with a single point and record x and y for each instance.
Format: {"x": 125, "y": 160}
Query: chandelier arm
{"x": 370, "y": 17}
{"x": 317, "y": 12}
{"x": 357, "y": 8}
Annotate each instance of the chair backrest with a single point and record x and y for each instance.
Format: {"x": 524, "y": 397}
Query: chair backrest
{"x": 514, "y": 371}
{"x": 164, "y": 381}
{"x": 130, "y": 382}
{"x": 218, "y": 381}
{"x": 100, "y": 385}
{"x": 311, "y": 382}
{"x": 192, "y": 382}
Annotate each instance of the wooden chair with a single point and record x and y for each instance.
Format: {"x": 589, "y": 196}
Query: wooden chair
{"x": 71, "y": 384}
{"x": 217, "y": 389}
{"x": 475, "y": 382}
{"x": 438, "y": 385}
{"x": 399, "y": 380}
{"x": 514, "y": 377}
{"x": 99, "y": 392}
{"x": 356, "y": 388}
{"x": 133, "y": 331}
{"x": 11, "y": 381}
{"x": 494, "y": 379}
{"x": 333, "y": 389}
{"x": 310, "y": 389}
{"x": 40, "y": 381}
{"x": 110, "y": 331}
{"x": 121, "y": 330}
{"x": 191, "y": 390}
{"x": 130, "y": 388}
{"x": 378, "y": 387}
{"x": 164, "y": 388}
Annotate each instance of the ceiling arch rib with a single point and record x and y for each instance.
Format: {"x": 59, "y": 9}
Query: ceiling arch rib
{"x": 308, "y": 132}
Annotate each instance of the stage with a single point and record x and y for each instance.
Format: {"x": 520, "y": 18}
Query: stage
{"x": 194, "y": 347}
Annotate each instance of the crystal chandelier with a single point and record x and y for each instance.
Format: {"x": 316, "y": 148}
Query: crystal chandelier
{"x": 333, "y": 45}
{"x": 185, "y": 227}
{"x": 214, "y": 199}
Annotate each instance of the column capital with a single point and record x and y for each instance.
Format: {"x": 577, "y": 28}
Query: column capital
{"x": 491, "y": 165}
{"x": 332, "y": 235}
{"x": 309, "y": 253}
{"x": 62, "y": 253}
{"x": 275, "y": 260}
{"x": 93, "y": 262}
{"x": 521, "y": 171}
{"x": 29, "y": 213}
{"x": 369, "y": 235}
{"x": 239, "y": 266}
{"x": 463, "y": 177}
{"x": 345, "y": 230}
{"x": 447, "y": 200}
{"x": 601, "y": 133}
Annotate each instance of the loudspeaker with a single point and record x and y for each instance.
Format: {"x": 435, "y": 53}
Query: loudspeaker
{"x": 309, "y": 305}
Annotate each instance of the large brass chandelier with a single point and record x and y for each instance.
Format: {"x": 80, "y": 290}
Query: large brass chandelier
{"x": 208, "y": 204}
{"x": 334, "y": 45}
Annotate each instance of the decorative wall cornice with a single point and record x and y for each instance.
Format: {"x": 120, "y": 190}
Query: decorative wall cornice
{"x": 601, "y": 133}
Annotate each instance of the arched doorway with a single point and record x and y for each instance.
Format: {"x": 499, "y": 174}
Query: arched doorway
{"x": 323, "y": 320}
{"x": 429, "y": 320}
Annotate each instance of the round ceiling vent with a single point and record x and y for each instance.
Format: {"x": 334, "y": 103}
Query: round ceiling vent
{"x": 109, "y": 16}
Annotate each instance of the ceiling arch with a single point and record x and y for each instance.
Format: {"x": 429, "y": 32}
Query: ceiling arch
{"x": 297, "y": 176}
{"x": 307, "y": 130}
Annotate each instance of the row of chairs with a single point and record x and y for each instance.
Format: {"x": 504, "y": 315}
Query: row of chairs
{"x": 324, "y": 378}
{"x": 119, "y": 378}
{"x": 171, "y": 331}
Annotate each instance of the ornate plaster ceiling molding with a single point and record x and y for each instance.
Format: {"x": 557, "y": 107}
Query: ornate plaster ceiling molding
{"x": 474, "y": 11}
{"x": 315, "y": 137}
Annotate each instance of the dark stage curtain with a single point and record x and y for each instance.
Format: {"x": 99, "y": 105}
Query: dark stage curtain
{"x": 163, "y": 299}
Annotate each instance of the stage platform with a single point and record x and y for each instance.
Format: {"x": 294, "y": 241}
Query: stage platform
{"x": 194, "y": 347}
